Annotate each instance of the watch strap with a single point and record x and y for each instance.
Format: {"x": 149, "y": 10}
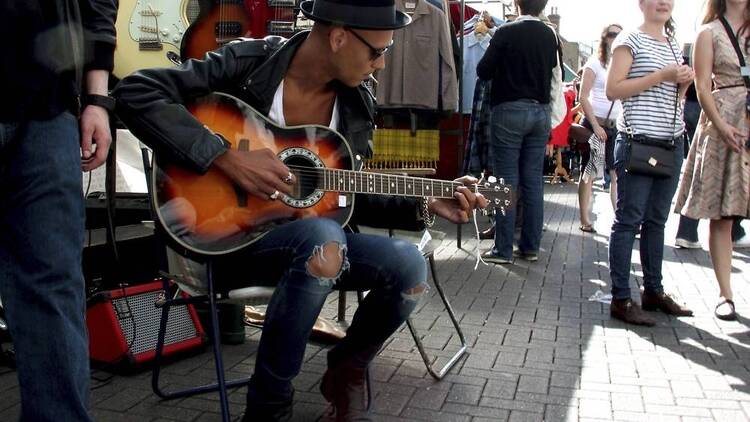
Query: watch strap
{"x": 104, "y": 101}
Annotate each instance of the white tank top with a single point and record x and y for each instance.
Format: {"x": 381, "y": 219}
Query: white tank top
{"x": 276, "y": 114}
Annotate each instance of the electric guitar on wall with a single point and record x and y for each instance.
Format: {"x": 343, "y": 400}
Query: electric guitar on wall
{"x": 209, "y": 215}
{"x": 150, "y": 32}
{"x": 220, "y": 22}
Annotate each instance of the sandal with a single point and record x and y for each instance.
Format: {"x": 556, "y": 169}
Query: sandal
{"x": 722, "y": 314}
{"x": 588, "y": 228}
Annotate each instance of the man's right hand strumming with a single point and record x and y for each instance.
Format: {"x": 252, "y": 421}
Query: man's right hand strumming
{"x": 259, "y": 172}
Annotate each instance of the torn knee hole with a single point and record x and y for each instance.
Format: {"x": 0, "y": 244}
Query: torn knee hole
{"x": 326, "y": 260}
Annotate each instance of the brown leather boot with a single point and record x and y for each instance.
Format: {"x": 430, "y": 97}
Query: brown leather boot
{"x": 628, "y": 311}
{"x": 344, "y": 387}
{"x": 664, "y": 302}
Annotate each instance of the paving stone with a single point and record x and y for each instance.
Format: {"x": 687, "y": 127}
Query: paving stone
{"x": 539, "y": 350}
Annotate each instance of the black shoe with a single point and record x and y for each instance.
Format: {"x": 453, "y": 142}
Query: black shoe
{"x": 344, "y": 387}
{"x": 487, "y": 234}
{"x": 280, "y": 411}
{"x": 628, "y": 311}
{"x": 663, "y": 302}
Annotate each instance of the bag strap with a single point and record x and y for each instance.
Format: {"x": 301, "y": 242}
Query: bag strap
{"x": 676, "y": 89}
{"x": 736, "y": 45}
{"x": 609, "y": 113}
{"x": 629, "y": 130}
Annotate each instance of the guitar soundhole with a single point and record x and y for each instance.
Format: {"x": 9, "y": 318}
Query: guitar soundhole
{"x": 308, "y": 177}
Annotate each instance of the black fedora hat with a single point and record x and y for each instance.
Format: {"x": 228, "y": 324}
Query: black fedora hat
{"x": 358, "y": 14}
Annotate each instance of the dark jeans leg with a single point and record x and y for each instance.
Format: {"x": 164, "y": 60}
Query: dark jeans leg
{"x": 688, "y": 229}
{"x": 737, "y": 231}
{"x": 517, "y": 128}
{"x": 281, "y": 258}
{"x": 652, "y": 229}
{"x": 395, "y": 273}
{"x": 41, "y": 284}
{"x": 532, "y": 182}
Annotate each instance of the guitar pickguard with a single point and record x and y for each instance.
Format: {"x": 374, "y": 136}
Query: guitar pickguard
{"x": 157, "y": 22}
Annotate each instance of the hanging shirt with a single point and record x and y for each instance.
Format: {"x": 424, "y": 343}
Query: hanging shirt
{"x": 420, "y": 51}
{"x": 475, "y": 45}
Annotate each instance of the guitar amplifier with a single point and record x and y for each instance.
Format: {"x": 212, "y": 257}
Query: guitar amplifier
{"x": 123, "y": 325}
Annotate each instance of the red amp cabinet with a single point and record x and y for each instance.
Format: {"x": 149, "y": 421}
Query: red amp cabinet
{"x": 123, "y": 325}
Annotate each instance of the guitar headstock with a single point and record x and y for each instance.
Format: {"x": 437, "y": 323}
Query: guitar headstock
{"x": 499, "y": 195}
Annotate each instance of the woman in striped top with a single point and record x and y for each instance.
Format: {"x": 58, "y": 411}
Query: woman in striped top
{"x": 648, "y": 75}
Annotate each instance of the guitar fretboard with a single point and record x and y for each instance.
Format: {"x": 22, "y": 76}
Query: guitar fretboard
{"x": 377, "y": 183}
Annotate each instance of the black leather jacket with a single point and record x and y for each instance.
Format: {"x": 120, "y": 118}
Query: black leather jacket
{"x": 150, "y": 103}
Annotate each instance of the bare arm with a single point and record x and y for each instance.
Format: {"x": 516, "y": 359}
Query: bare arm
{"x": 619, "y": 86}
{"x": 587, "y": 82}
{"x": 703, "y": 58}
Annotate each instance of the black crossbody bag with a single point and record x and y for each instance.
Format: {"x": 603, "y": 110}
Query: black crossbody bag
{"x": 650, "y": 156}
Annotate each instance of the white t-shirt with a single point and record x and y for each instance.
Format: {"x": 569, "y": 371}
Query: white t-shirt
{"x": 652, "y": 112}
{"x": 598, "y": 94}
{"x": 276, "y": 114}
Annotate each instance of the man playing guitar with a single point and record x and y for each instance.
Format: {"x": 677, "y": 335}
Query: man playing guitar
{"x": 314, "y": 78}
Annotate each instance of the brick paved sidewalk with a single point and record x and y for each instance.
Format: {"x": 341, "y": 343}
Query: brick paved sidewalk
{"x": 539, "y": 349}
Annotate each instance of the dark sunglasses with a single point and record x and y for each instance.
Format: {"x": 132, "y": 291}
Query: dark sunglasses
{"x": 375, "y": 53}
{"x": 612, "y": 34}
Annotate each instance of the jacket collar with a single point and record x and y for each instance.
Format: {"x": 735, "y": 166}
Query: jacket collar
{"x": 355, "y": 103}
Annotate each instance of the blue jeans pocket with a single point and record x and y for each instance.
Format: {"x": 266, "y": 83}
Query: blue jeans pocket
{"x": 622, "y": 150}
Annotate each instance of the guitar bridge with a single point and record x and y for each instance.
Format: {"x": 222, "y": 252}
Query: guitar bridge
{"x": 150, "y": 46}
{"x": 282, "y": 3}
{"x": 280, "y": 27}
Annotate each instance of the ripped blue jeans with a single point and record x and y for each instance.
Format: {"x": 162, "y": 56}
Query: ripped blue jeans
{"x": 306, "y": 260}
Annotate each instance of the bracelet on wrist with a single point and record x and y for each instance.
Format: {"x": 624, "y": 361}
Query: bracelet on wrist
{"x": 427, "y": 216}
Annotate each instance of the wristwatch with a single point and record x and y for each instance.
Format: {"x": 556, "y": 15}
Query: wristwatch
{"x": 104, "y": 101}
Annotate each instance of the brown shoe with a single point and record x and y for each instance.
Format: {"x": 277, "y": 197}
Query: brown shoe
{"x": 344, "y": 387}
{"x": 664, "y": 302}
{"x": 628, "y": 311}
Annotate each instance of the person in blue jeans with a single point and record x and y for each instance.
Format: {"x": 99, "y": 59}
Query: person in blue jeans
{"x": 519, "y": 61}
{"x": 648, "y": 75}
{"x": 61, "y": 52}
{"x": 315, "y": 77}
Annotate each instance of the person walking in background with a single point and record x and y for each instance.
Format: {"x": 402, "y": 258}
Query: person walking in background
{"x": 647, "y": 74}
{"x": 55, "y": 72}
{"x": 601, "y": 116}
{"x": 716, "y": 181}
{"x": 519, "y": 61}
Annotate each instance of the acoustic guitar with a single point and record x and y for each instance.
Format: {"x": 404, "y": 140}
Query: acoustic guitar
{"x": 207, "y": 214}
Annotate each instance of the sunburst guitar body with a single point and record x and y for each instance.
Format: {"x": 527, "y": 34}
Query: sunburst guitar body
{"x": 209, "y": 215}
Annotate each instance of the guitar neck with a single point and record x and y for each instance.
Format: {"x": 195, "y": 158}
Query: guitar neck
{"x": 349, "y": 181}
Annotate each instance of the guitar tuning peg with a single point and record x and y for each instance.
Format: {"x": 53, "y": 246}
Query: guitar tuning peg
{"x": 492, "y": 179}
{"x": 502, "y": 210}
{"x": 502, "y": 181}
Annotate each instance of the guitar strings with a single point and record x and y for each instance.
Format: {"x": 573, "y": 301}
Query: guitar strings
{"x": 400, "y": 181}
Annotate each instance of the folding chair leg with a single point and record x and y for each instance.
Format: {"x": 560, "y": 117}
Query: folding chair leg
{"x": 415, "y": 334}
{"x": 221, "y": 385}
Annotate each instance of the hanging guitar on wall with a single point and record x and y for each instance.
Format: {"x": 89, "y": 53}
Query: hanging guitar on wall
{"x": 221, "y": 22}
{"x": 149, "y": 33}
{"x": 273, "y": 17}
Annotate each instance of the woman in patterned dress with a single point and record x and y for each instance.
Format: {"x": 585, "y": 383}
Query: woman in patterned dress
{"x": 716, "y": 181}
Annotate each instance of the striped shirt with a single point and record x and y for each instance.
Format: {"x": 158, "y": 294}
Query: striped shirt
{"x": 652, "y": 112}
